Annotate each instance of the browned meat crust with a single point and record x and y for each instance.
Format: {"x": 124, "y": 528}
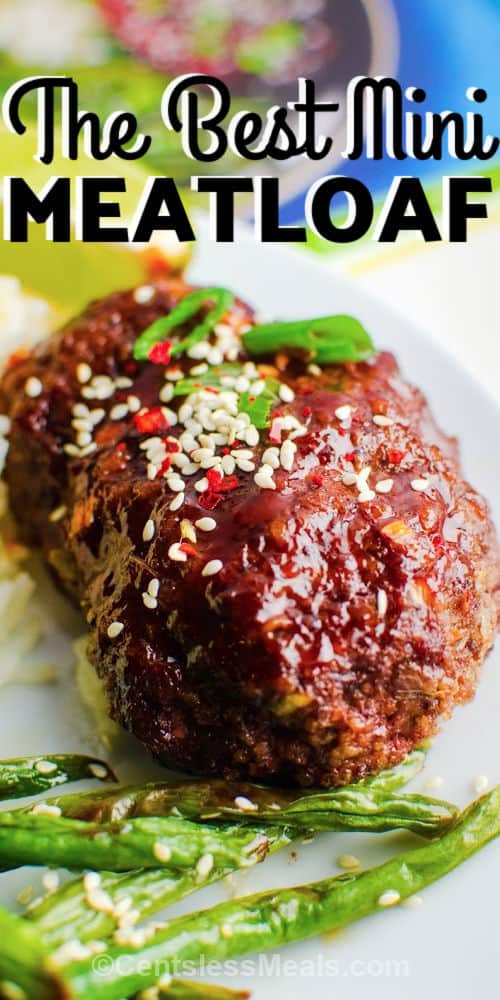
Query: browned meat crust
{"x": 341, "y": 628}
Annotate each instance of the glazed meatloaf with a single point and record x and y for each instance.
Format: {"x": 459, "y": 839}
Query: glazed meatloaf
{"x": 300, "y": 599}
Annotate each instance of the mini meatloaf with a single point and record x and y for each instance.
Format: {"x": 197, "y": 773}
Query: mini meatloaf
{"x": 299, "y": 602}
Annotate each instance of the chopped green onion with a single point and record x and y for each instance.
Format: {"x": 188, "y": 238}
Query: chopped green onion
{"x": 184, "y": 311}
{"x": 326, "y": 340}
{"x": 259, "y": 407}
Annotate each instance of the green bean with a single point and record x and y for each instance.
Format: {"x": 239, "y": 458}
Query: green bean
{"x": 22, "y": 962}
{"x": 65, "y": 914}
{"x": 359, "y": 809}
{"x": 24, "y": 776}
{"x": 272, "y": 919}
{"x": 29, "y": 839}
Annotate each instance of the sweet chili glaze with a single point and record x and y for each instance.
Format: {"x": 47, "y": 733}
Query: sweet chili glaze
{"x": 346, "y": 615}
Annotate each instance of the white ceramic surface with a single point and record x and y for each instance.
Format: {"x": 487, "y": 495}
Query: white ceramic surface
{"x": 450, "y": 943}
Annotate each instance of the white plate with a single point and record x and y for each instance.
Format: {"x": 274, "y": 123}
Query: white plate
{"x": 450, "y": 943}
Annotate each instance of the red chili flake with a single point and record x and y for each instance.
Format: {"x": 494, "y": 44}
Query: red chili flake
{"x": 350, "y": 456}
{"x": 130, "y": 367}
{"x": 306, "y": 412}
{"x": 16, "y": 358}
{"x": 172, "y": 445}
{"x": 317, "y": 478}
{"x": 228, "y": 483}
{"x": 437, "y": 541}
{"x": 209, "y": 500}
{"x": 212, "y": 389}
{"x": 121, "y": 447}
{"x": 188, "y": 549}
{"x": 160, "y": 354}
{"x": 341, "y": 431}
{"x": 251, "y": 399}
{"x": 226, "y": 451}
{"x": 214, "y": 478}
{"x": 275, "y": 431}
{"x": 305, "y": 389}
{"x": 395, "y": 456}
{"x": 152, "y": 420}
{"x": 165, "y": 465}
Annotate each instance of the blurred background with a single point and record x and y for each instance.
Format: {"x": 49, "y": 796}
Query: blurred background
{"x": 123, "y": 52}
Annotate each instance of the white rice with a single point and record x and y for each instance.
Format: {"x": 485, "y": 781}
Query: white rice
{"x": 23, "y": 321}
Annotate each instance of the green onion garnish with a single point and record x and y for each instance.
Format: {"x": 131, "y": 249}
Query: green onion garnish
{"x": 327, "y": 340}
{"x": 185, "y": 310}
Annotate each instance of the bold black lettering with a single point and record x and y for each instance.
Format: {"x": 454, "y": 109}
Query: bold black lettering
{"x": 163, "y": 193}
{"x": 320, "y": 210}
{"x": 222, "y": 210}
{"x": 459, "y": 208}
{"x": 52, "y": 207}
{"x": 270, "y": 229}
{"x": 409, "y": 193}
{"x": 93, "y": 210}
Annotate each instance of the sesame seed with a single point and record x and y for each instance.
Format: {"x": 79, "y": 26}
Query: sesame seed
{"x": 382, "y": 421}
{"x": 349, "y": 478}
{"x": 436, "y": 781}
{"x": 246, "y": 805}
{"x": 313, "y": 369}
{"x": 83, "y": 438}
{"x": 201, "y": 485}
{"x": 366, "y": 495}
{"x": 175, "y": 483}
{"x": 226, "y": 931}
{"x": 97, "y": 415}
{"x": 199, "y": 369}
{"x": 389, "y": 898}
{"x": 71, "y": 450}
{"x": 88, "y": 449}
{"x": 58, "y": 513}
{"x": 123, "y": 382}
{"x": 149, "y": 602}
{"x": 252, "y": 436}
{"x": 119, "y": 412}
{"x": 287, "y": 394}
{"x": 348, "y": 862}
{"x": 174, "y": 374}
{"x": 83, "y": 373}
{"x": 212, "y": 567}
{"x": 199, "y": 351}
{"x": 43, "y": 809}
{"x": 50, "y": 881}
{"x": 154, "y": 587}
{"x": 481, "y": 783}
{"x": 228, "y": 464}
{"x": 384, "y": 485}
{"x": 91, "y": 881}
{"x": 143, "y": 294}
{"x": 33, "y": 387}
{"x": 162, "y": 852}
{"x": 188, "y": 531}
{"x": 134, "y": 404}
{"x": 205, "y": 865}
{"x": 245, "y": 465}
{"x": 81, "y": 424}
{"x": 98, "y": 770}
{"x": 271, "y": 457}
{"x": 420, "y": 485}
{"x": 115, "y": 629}
{"x": 176, "y": 554}
{"x": 206, "y": 524}
{"x": 343, "y": 412}
{"x": 148, "y": 532}
{"x": 177, "y": 502}
{"x": 80, "y": 410}
{"x": 45, "y": 766}
{"x": 264, "y": 481}
{"x": 152, "y": 470}
{"x": 287, "y": 455}
{"x": 413, "y": 901}
{"x": 166, "y": 393}
{"x": 382, "y": 603}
